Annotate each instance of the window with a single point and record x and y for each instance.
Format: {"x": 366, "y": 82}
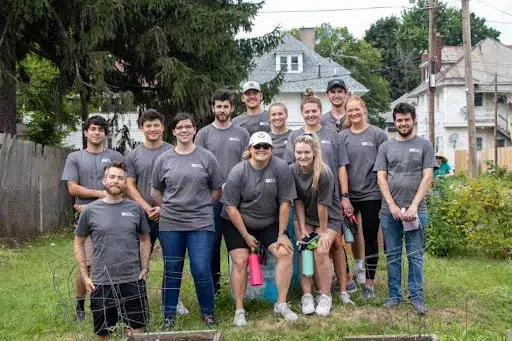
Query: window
{"x": 479, "y": 143}
{"x": 501, "y": 143}
{"x": 289, "y": 63}
{"x": 391, "y": 127}
{"x": 479, "y": 99}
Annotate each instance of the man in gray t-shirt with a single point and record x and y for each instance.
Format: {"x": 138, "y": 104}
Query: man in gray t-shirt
{"x": 255, "y": 118}
{"x": 404, "y": 169}
{"x": 336, "y": 93}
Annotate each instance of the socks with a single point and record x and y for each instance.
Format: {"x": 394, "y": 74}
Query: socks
{"x": 359, "y": 263}
{"x": 80, "y": 303}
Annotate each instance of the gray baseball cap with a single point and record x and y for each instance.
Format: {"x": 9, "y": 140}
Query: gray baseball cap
{"x": 251, "y": 85}
{"x": 336, "y": 82}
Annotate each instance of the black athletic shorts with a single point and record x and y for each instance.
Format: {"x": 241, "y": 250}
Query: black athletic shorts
{"x": 234, "y": 239}
{"x": 113, "y": 303}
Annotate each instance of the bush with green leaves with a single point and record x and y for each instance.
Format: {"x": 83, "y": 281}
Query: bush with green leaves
{"x": 471, "y": 216}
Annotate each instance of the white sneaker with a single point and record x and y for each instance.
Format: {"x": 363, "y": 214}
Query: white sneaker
{"x": 239, "y": 319}
{"x": 284, "y": 310}
{"x": 345, "y": 298}
{"x": 324, "y": 305}
{"x": 360, "y": 276}
{"x": 180, "y": 308}
{"x": 307, "y": 304}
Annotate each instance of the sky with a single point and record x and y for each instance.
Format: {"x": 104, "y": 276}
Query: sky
{"x": 359, "y": 15}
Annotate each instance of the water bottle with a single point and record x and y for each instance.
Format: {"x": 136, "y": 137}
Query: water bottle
{"x": 255, "y": 269}
{"x": 308, "y": 267}
{"x": 349, "y": 237}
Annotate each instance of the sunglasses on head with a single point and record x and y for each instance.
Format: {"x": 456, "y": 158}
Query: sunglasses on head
{"x": 262, "y": 145}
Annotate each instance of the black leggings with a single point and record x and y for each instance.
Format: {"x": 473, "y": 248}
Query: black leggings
{"x": 370, "y": 216}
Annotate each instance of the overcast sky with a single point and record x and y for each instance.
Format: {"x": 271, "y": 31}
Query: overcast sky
{"x": 362, "y": 15}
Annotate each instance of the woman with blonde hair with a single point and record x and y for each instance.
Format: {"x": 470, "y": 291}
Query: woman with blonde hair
{"x": 318, "y": 209}
{"x": 278, "y": 114}
{"x": 362, "y": 141}
{"x": 335, "y": 156}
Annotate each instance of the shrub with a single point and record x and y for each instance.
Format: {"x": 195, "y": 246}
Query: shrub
{"x": 471, "y": 217}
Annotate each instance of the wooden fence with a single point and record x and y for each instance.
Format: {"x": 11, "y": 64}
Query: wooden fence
{"x": 504, "y": 159}
{"x": 33, "y": 199}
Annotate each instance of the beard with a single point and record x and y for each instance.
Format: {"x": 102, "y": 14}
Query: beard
{"x": 222, "y": 117}
{"x": 405, "y": 133}
{"x": 114, "y": 190}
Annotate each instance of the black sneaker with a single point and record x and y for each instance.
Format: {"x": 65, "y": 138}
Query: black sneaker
{"x": 209, "y": 320}
{"x": 80, "y": 315}
{"x": 169, "y": 323}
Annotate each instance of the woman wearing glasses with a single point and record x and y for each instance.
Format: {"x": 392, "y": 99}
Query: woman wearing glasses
{"x": 256, "y": 198}
{"x": 186, "y": 183}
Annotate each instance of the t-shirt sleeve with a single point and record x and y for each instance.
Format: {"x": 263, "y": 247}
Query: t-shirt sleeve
{"x": 156, "y": 180}
{"x": 246, "y": 138}
{"x": 130, "y": 164}
{"x": 231, "y": 194}
{"x": 341, "y": 152}
{"x": 200, "y": 139}
{"x": 289, "y": 155}
{"x": 143, "y": 227}
{"x": 216, "y": 179}
{"x": 83, "y": 230}
{"x": 429, "y": 156}
{"x": 381, "y": 163}
{"x": 381, "y": 137}
{"x": 325, "y": 189}
{"x": 117, "y": 156}
{"x": 286, "y": 184}
{"x": 71, "y": 169}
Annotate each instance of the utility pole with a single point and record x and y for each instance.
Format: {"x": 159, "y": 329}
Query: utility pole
{"x": 496, "y": 118}
{"x": 470, "y": 95}
{"x": 431, "y": 74}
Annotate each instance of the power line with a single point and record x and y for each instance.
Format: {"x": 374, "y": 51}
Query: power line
{"x": 329, "y": 10}
{"x": 502, "y": 11}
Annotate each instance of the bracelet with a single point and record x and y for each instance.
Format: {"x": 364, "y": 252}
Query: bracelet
{"x": 145, "y": 268}
{"x": 245, "y": 235}
{"x": 345, "y": 195}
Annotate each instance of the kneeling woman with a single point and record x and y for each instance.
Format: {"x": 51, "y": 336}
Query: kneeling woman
{"x": 256, "y": 198}
{"x": 318, "y": 209}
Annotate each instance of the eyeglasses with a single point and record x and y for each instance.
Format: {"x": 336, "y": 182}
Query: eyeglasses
{"x": 265, "y": 146}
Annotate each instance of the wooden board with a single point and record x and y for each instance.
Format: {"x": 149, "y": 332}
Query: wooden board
{"x": 201, "y": 335}
{"x": 392, "y": 338}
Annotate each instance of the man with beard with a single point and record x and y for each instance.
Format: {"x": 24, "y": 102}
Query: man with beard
{"x": 83, "y": 172}
{"x": 336, "y": 94}
{"x": 227, "y": 142}
{"x": 121, "y": 243}
{"x": 255, "y": 118}
{"x": 404, "y": 169}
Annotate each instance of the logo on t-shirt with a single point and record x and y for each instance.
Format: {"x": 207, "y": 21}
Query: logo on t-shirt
{"x": 270, "y": 180}
{"x": 105, "y": 160}
{"x": 367, "y": 144}
{"x": 234, "y": 139}
{"x": 127, "y": 214}
{"x": 285, "y": 142}
{"x": 264, "y": 124}
{"x": 414, "y": 150}
{"x": 325, "y": 142}
{"x": 196, "y": 165}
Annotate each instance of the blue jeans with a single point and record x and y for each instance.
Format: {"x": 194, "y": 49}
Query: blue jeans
{"x": 414, "y": 243}
{"x": 217, "y": 241}
{"x": 199, "y": 246}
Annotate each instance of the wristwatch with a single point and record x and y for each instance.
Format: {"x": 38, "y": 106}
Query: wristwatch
{"x": 345, "y": 195}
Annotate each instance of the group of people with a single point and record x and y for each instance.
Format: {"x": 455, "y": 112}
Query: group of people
{"x": 244, "y": 179}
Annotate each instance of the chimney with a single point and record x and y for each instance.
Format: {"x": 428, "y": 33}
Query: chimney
{"x": 307, "y": 36}
{"x": 438, "y": 52}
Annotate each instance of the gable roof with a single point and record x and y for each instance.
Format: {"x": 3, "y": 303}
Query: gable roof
{"x": 317, "y": 70}
{"x": 488, "y": 57}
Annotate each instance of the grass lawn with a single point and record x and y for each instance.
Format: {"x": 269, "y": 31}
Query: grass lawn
{"x": 469, "y": 299}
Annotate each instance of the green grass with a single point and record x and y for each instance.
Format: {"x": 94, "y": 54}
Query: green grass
{"x": 469, "y": 299}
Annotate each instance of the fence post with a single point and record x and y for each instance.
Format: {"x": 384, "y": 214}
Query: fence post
{"x": 40, "y": 204}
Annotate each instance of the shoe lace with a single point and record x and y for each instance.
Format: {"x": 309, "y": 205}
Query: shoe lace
{"x": 285, "y": 309}
{"x": 323, "y": 301}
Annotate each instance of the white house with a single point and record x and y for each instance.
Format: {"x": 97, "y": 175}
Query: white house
{"x": 304, "y": 69}
{"x": 489, "y": 57}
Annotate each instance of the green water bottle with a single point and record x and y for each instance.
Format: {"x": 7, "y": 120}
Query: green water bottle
{"x": 308, "y": 267}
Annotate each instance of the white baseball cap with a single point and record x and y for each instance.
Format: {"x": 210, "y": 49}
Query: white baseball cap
{"x": 260, "y": 137}
{"x": 251, "y": 85}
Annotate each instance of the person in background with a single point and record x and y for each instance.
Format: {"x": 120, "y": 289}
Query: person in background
{"x": 186, "y": 183}
{"x": 278, "y": 114}
{"x": 444, "y": 169}
{"x": 362, "y": 141}
{"x": 227, "y": 142}
{"x": 122, "y": 247}
{"x": 84, "y": 172}
{"x": 256, "y": 198}
{"x": 404, "y": 169}
{"x": 255, "y": 118}
{"x": 335, "y": 156}
{"x": 318, "y": 208}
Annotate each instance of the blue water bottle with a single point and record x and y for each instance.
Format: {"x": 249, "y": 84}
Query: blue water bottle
{"x": 308, "y": 267}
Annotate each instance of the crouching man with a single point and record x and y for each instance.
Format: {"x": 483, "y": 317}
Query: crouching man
{"x": 121, "y": 250}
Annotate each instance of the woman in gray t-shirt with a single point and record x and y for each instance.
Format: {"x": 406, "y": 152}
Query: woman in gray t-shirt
{"x": 279, "y": 131}
{"x": 186, "y": 182}
{"x": 318, "y": 209}
{"x": 256, "y": 199}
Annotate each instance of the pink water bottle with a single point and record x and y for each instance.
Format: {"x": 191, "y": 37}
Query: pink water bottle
{"x": 255, "y": 269}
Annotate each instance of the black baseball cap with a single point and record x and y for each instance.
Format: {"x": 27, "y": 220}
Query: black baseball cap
{"x": 336, "y": 82}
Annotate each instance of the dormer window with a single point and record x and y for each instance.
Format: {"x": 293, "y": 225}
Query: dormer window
{"x": 290, "y": 63}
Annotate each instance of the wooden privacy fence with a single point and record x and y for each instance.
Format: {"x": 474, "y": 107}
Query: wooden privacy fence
{"x": 504, "y": 159}
{"x": 33, "y": 199}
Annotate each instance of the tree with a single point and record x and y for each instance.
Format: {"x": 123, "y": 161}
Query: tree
{"x": 362, "y": 60}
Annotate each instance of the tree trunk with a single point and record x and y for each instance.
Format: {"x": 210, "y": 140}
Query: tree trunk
{"x": 84, "y": 107}
{"x": 7, "y": 87}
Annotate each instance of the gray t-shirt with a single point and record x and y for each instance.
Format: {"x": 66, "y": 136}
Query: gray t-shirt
{"x": 226, "y": 144}
{"x": 362, "y": 149}
{"x": 187, "y": 182}
{"x": 88, "y": 169}
{"x": 253, "y": 123}
{"x": 258, "y": 193}
{"x": 279, "y": 143}
{"x": 114, "y": 229}
{"x": 333, "y": 151}
{"x": 329, "y": 121}
{"x": 325, "y": 195}
{"x": 139, "y": 164}
{"x": 405, "y": 161}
